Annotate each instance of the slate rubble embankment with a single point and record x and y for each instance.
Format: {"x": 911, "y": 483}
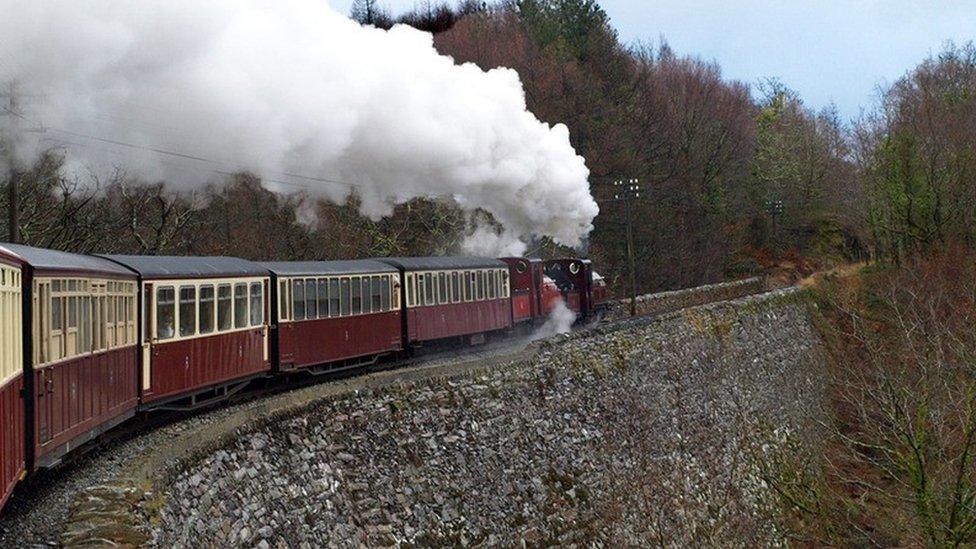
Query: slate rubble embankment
{"x": 650, "y": 433}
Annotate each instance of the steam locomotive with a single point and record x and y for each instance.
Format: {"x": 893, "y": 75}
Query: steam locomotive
{"x": 87, "y": 342}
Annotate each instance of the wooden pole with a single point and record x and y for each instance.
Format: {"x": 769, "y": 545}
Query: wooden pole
{"x": 13, "y": 201}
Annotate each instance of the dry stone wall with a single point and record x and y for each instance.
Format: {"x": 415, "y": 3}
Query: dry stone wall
{"x": 643, "y": 433}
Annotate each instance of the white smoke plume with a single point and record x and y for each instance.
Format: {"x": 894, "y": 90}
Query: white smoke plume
{"x": 296, "y": 93}
{"x": 560, "y": 321}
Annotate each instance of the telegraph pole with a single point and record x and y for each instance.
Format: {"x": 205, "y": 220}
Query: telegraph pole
{"x": 13, "y": 201}
{"x": 14, "y": 136}
{"x": 626, "y": 191}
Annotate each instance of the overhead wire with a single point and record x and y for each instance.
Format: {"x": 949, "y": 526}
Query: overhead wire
{"x": 187, "y": 156}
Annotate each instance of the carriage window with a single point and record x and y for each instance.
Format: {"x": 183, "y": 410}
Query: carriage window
{"x": 56, "y": 317}
{"x": 86, "y": 325}
{"x": 472, "y": 286}
{"x": 480, "y": 283}
{"x": 385, "y": 294}
{"x": 224, "y": 307}
{"x": 421, "y": 290}
{"x": 188, "y": 311}
{"x": 367, "y": 302}
{"x": 323, "y": 287}
{"x": 456, "y": 286}
{"x": 102, "y": 325}
{"x": 57, "y": 327}
{"x": 357, "y": 296}
{"x": 333, "y": 297}
{"x": 283, "y": 300}
{"x": 114, "y": 336}
{"x": 410, "y": 291}
{"x": 257, "y": 303}
{"x": 147, "y": 317}
{"x": 505, "y": 288}
{"x": 206, "y": 313}
{"x": 116, "y": 322}
{"x": 344, "y": 302}
{"x": 429, "y": 296}
{"x": 311, "y": 299}
{"x": 240, "y": 305}
{"x": 110, "y": 310}
{"x": 72, "y": 312}
{"x": 376, "y": 295}
{"x": 298, "y": 300}
{"x": 130, "y": 319}
{"x": 165, "y": 312}
{"x": 442, "y": 288}
{"x": 492, "y": 284}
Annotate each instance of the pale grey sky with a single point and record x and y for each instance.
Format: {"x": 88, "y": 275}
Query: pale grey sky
{"x": 828, "y": 50}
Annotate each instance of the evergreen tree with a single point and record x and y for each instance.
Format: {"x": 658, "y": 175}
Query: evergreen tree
{"x": 578, "y": 27}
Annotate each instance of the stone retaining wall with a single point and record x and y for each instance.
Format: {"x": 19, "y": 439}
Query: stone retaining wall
{"x": 650, "y": 304}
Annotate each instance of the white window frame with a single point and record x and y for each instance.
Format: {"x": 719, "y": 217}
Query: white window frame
{"x": 51, "y": 343}
{"x": 11, "y": 324}
{"x": 216, "y": 283}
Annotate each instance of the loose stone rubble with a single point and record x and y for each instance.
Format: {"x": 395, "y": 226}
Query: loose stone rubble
{"x": 650, "y": 432}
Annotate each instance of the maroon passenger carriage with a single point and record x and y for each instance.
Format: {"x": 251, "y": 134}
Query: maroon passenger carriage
{"x": 334, "y": 314}
{"x": 453, "y": 297}
{"x": 204, "y": 329}
{"x": 12, "y": 435}
{"x": 80, "y": 349}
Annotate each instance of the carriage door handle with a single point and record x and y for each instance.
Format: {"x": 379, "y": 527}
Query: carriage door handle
{"x": 50, "y": 382}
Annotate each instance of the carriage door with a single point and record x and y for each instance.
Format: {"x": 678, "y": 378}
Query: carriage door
{"x": 148, "y": 331}
{"x": 286, "y": 344}
{"x": 266, "y": 316}
{"x": 44, "y": 377}
{"x": 537, "y": 304}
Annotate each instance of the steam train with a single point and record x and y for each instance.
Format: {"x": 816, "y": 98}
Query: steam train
{"x": 87, "y": 342}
